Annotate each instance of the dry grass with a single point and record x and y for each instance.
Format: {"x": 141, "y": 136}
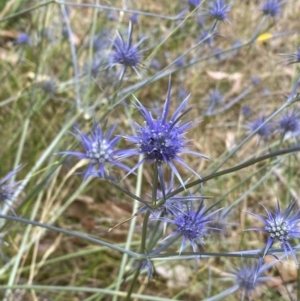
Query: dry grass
{"x": 55, "y": 196}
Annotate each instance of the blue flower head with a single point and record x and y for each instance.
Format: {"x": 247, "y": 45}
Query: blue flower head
{"x": 161, "y": 140}
{"x": 8, "y": 188}
{"x": 126, "y": 54}
{"x": 49, "y": 86}
{"x": 208, "y": 40}
{"x": 171, "y": 206}
{"x": 191, "y": 224}
{"x": 99, "y": 150}
{"x": 214, "y": 98}
{"x": 264, "y": 132}
{"x": 271, "y": 8}
{"x": 141, "y": 265}
{"x": 248, "y": 277}
{"x": 246, "y": 110}
{"x": 98, "y": 41}
{"x": 255, "y": 80}
{"x": 292, "y": 58}
{"x": 194, "y": 3}
{"x": 218, "y": 9}
{"x": 134, "y": 18}
{"x": 111, "y": 16}
{"x": 289, "y": 123}
{"x": 280, "y": 226}
{"x": 22, "y": 38}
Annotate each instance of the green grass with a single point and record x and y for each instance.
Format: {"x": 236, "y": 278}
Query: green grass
{"x": 62, "y": 261}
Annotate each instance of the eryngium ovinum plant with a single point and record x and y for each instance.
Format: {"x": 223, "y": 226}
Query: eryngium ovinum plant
{"x": 178, "y": 221}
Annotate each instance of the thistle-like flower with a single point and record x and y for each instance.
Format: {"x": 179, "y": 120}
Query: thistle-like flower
{"x": 271, "y": 8}
{"x": 264, "y": 132}
{"x": 246, "y": 110}
{"x": 98, "y": 41}
{"x": 162, "y": 141}
{"x": 218, "y": 9}
{"x": 170, "y": 206}
{"x": 191, "y": 224}
{"x": 134, "y": 18}
{"x": 280, "y": 226}
{"x": 99, "y": 150}
{"x": 292, "y": 58}
{"x": 194, "y": 3}
{"x": 8, "y": 188}
{"x": 140, "y": 265}
{"x": 207, "y": 38}
{"x": 248, "y": 277}
{"x": 214, "y": 98}
{"x": 289, "y": 123}
{"x": 126, "y": 54}
{"x": 22, "y": 38}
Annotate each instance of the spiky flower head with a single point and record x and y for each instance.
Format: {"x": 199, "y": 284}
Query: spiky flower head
{"x": 289, "y": 123}
{"x": 292, "y": 58}
{"x": 246, "y": 110}
{"x": 248, "y": 277}
{"x": 22, "y": 38}
{"x": 271, "y": 8}
{"x": 140, "y": 265}
{"x": 169, "y": 206}
{"x": 126, "y": 54}
{"x": 214, "y": 98}
{"x": 8, "y": 188}
{"x": 134, "y": 18}
{"x": 49, "y": 86}
{"x": 194, "y": 3}
{"x": 218, "y": 9}
{"x": 207, "y": 38}
{"x": 162, "y": 141}
{"x": 280, "y": 226}
{"x": 99, "y": 150}
{"x": 255, "y": 80}
{"x": 98, "y": 41}
{"x": 191, "y": 224}
{"x": 264, "y": 132}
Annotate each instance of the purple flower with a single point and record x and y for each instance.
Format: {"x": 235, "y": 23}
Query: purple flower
{"x": 214, "y": 98}
{"x": 169, "y": 206}
{"x": 191, "y": 224}
{"x": 249, "y": 277}
{"x": 180, "y": 62}
{"x": 126, "y": 54}
{"x": 255, "y": 80}
{"x": 49, "y": 86}
{"x": 162, "y": 141}
{"x": 289, "y": 123}
{"x": 194, "y": 3}
{"x": 246, "y": 110}
{"x": 271, "y": 8}
{"x": 111, "y": 16}
{"x": 149, "y": 267}
{"x": 280, "y": 226}
{"x": 218, "y": 53}
{"x": 99, "y": 150}
{"x": 8, "y": 188}
{"x": 145, "y": 264}
{"x": 218, "y": 9}
{"x": 292, "y": 58}
{"x": 263, "y": 132}
{"x": 134, "y": 18}
{"x": 93, "y": 66}
{"x": 22, "y": 38}
{"x": 97, "y": 41}
{"x": 209, "y": 40}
